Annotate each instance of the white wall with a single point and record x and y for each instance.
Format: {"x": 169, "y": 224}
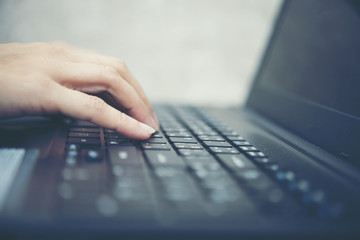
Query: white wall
{"x": 197, "y": 51}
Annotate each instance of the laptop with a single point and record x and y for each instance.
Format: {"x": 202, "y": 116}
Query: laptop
{"x": 286, "y": 165}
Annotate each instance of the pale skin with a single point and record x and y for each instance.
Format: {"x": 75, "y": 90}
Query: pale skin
{"x": 51, "y": 79}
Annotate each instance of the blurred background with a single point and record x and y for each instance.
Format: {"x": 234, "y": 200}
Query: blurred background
{"x": 192, "y": 51}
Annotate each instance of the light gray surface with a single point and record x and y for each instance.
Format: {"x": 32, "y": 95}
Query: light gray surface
{"x": 194, "y": 51}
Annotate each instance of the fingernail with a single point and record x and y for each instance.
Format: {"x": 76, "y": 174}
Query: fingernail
{"x": 147, "y": 128}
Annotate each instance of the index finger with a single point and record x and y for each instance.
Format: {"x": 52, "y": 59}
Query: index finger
{"x": 91, "y": 108}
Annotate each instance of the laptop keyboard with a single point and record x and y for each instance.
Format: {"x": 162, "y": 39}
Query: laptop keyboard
{"x": 195, "y": 165}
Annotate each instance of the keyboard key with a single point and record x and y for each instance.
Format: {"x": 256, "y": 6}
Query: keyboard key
{"x": 199, "y": 159}
{"x": 106, "y": 131}
{"x": 252, "y": 154}
{"x": 169, "y": 130}
{"x": 168, "y": 172}
{"x": 133, "y": 179}
{"x": 176, "y": 132}
{"x": 132, "y": 194}
{"x": 73, "y": 147}
{"x": 115, "y": 136}
{"x": 285, "y": 177}
{"x": 205, "y": 171}
{"x": 187, "y": 146}
{"x": 164, "y": 158}
{"x": 155, "y": 140}
{"x": 249, "y": 175}
{"x": 220, "y": 183}
{"x": 255, "y": 181}
{"x": 172, "y": 127}
{"x": 224, "y": 195}
{"x": 313, "y": 199}
{"x": 241, "y": 143}
{"x": 107, "y": 206}
{"x": 264, "y": 161}
{"x": 111, "y": 142}
{"x": 207, "y": 166}
{"x": 72, "y": 153}
{"x": 156, "y": 135}
{"x": 248, "y": 149}
{"x": 178, "y": 194}
{"x": 65, "y": 190}
{"x": 217, "y": 144}
{"x": 123, "y": 155}
{"x": 235, "y": 138}
{"x": 155, "y": 146}
{"x": 122, "y": 171}
{"x": 275, "y": 202}
{"x": 224, "y": 150}
{"x": 73, "y": 174}
{"x": 206, "y": 134}
{"x": 117, "y": 140}
{"x": 70, "y": 161}
{"x": 84, "y": 135}
{"x": 83, "y": 123}
{"x": 212, "y": 138}
{"x": 183, "y": 140}
{"x": 272, "y": 168}
{"x": 235, "y": 162}
{"x": 193, "y": 152}
{"x": 84, "y": 141}
{"x": 223, "y": 128}
{"x": 92, "y": 155}
{"x": 299, "y": 187}
{"x": 179, "y": 135}
{"x": 86, "y": 130}
{"x": 231, "y": 134}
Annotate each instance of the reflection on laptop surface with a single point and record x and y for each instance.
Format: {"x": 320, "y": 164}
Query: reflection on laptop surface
{"x": 286, "y": 164}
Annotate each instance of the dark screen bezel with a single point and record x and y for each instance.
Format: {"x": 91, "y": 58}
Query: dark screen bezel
{"x": 334, "y": 131}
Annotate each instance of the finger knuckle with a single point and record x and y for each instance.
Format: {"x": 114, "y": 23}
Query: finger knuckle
{"x": 121, "y": 65}
{"x": 109, "y": 70}
{"x": 109, "y": 74}
{"x": 122, "y": 120}
{"x": 95, "y": 106}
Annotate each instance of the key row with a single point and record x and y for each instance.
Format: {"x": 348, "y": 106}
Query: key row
{"x": 316, "y": 201}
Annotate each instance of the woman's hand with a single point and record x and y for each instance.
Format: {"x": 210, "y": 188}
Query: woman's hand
{"x": 43, "y": 78}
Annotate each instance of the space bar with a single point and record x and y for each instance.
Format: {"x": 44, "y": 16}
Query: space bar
{"x": 123, "y": 155}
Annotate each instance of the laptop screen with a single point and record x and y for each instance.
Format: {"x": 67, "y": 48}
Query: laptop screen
{"x": 309, "y": 80}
